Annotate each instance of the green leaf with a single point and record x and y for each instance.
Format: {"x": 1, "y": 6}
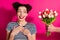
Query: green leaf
{"x": 48, "y": 20}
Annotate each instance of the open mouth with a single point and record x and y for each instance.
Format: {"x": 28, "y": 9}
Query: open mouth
{"x": 21, "y": 17}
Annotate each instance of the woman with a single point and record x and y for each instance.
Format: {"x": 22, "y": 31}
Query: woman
{"x": 21, "y": 30}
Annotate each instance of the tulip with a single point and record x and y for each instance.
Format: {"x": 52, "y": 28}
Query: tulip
{"x": 51, "y": 11}
{"x": 40, "y": 16}
{"x": 52, "y": 16}
{"x": 49, "y": 16}
{"x": 43, "y": 16}
{"x": 55, "y": 13}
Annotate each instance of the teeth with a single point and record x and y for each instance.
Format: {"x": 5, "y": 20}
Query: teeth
{"x": 21, "y": 17}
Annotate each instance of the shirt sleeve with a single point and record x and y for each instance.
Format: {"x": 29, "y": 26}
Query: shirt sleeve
{"x": 9, "y": 27}
{"x": 33, "y": 29}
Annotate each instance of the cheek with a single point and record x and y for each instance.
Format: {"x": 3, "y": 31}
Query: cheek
{"x": 25, "y": 15}
{"x": 18, "y": 14}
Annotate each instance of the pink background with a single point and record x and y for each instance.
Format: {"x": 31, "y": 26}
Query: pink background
{"x": 7, "y": 14}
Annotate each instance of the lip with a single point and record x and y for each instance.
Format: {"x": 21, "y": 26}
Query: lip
{"x": 21, "y": 17}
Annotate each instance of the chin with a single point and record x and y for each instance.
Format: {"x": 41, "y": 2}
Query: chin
{"x": 21, "y": 19}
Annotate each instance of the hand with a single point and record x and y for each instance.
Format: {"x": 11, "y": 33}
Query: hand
{"x": 51, "y": 28}
{"x": 27, "y": 32}
{"x": 16, "y": 30}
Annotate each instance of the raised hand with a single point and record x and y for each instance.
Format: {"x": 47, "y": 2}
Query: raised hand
{"x": 26, "y": 32}
{"x": 16, "y": 30}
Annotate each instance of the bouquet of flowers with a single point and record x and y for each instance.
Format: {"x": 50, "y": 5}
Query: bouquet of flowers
{"x": 48, "y": 16}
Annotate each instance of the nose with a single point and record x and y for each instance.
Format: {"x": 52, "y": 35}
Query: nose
{"x": 21, "y": 14}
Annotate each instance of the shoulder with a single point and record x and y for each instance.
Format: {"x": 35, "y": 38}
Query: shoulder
{"x": 11, "y": 22}
{"x": 31, "y": 24}
{"x": 10, "y": 25}
{"x": 32, "y": 28}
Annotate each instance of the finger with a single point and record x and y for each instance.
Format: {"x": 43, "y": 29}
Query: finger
{"x": 14, "y": 27}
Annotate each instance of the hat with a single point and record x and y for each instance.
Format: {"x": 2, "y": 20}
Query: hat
{"x": 17, "y": 4}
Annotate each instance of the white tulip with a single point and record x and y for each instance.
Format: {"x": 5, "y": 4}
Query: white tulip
{"x": 43, "y": 16}
{"x": 49, "y": 16}
{"x": 51, "y": 11}
{"x": 52, "y": 16}
{"x": 56, "y": 14}
{"x": 45, "y": 13}
{"x": 40, "y": 16}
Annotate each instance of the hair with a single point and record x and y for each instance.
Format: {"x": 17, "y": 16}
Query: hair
{"x": 16, "y": 5}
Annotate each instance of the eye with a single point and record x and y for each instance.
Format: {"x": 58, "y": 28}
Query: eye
{"x": 25, "y": 12}
{"x": 19, "y": 11}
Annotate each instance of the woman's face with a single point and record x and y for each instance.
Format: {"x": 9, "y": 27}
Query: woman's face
{"x": 22, "y": 13}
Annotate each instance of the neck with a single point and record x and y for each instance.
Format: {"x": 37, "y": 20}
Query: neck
{"x": 21, "y": 21}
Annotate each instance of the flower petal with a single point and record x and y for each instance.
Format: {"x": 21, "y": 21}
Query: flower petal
{"x": 40, "y": 16}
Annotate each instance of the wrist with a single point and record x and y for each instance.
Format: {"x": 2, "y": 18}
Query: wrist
{"x": 29, "y": 35}
{"x": 11, "y": 37}
{"x": 57, "y": 29}
{"x": 54, "y": 29}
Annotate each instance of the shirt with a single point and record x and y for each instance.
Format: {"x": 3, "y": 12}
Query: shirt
{"x": 20, "y": 36}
